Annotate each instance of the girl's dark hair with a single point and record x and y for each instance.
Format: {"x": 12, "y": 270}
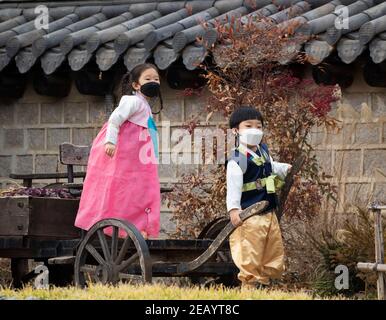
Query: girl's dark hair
{"x": 244, "y": 113}
{"x": 133, "y": 76}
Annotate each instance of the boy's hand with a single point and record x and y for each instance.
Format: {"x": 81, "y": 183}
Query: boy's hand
{"x": 235, "y": 217}
{"x": 110, "y": 149}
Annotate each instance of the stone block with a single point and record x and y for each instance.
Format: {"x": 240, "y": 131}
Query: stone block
{"x": 347, "y": 164}
{"x": 378, "y": 104}
{"x": 24, "y": 164}
{"x": 27, "y": 113}
{"x": 185, "y": 169}
{"x": 52, "y": 112}
{"x": 353, "y": 102}
{"x": 173, "y": 110}
{"x": 166, "y": 224}
{"x": 13, "y": 139}
{"x": 7, "y": 114}
{"x": 379, "y": 193}
{"x": 341, "y": 136}
{"x": 57, "y": 136}
{"x": 97, "y": 113}
{"x": 324, "y": 160}
{"x": 83, "y": 136}
{"x": 164, "y": 137}
{"x": 384, "y": 133}
{"x": 357, "y": 194}
{"x": 36, "y": 138}
{"x": 5, "y": 166}
{"x": 367, "y": 133}
{"x": 75, "y": 112}
{"x": 374, "y": 160}
{"x": 166, "y": 168}
{"x": 46, "y": 163}
{"x": 195, "y": 108}
{"x": 316, "y": 138}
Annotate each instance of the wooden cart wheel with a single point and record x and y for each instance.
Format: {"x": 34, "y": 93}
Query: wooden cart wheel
{"x": 105, "y": 259}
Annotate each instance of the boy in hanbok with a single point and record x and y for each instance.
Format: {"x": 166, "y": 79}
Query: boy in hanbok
{"x": 122, "y": 175}
{"x": 252, "y": 176}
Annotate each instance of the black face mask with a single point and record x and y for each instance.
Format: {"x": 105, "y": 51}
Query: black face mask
{"x": 151, "y": 89}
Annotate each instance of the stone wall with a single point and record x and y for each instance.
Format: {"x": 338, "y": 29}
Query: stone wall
{"x": 32, "y": 128}
{"x": 355, "y": 155}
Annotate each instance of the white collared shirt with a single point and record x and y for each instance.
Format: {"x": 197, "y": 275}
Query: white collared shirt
{"x": 235, "y": 179}
{"x": 128, "y": 105}
{"x": 134, "y": 107}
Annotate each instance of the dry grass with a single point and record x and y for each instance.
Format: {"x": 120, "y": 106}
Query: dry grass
{"x": 154, "y": 292}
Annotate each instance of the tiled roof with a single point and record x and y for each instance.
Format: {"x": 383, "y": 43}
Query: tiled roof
{"x": 136, "y": 30}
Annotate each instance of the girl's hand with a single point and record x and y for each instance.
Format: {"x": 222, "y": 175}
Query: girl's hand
{"x": 110, "y": 149}
{"x": 235, "y": 217}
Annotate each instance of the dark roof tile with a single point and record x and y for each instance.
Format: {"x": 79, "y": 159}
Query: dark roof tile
{"x": 135, "y": 30}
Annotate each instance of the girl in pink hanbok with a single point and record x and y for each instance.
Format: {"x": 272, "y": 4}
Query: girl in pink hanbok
{"x": 122, "y": 175}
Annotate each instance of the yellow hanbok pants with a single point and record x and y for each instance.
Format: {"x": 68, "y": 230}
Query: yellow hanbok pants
{"x": 257, "y": 249}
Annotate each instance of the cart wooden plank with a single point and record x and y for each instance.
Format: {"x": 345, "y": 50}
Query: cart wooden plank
{"x": 38, "y": 217}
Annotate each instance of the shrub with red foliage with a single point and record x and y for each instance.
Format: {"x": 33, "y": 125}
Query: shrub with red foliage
{"x": 248, "y": 71}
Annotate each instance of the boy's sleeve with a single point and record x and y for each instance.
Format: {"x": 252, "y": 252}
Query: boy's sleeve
{"x": 280, "y": 168}
{"x": 234, "y": 185}
{"x": 128, "y": 105}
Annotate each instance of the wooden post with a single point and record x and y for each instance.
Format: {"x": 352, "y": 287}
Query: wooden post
{"x": 379, "y": 250}
{"x": 379, "y": 266}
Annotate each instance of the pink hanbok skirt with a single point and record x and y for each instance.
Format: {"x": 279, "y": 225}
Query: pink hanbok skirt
{"x": 125, "y": 186}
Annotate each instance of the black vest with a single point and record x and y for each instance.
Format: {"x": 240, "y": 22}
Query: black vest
{"x": 252, "y": 172}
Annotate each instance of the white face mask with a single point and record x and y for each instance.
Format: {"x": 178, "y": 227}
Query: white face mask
{"x": 251, "y": 136}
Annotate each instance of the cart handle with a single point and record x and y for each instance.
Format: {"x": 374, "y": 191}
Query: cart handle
{"x": 220, "y": 239}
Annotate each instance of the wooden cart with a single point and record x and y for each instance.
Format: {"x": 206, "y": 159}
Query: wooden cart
{"x": 113, "y": 250}
{"x": 43, "y": 229}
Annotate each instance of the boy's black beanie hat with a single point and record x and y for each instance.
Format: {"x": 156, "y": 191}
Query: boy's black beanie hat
{"x": 244, "y": 113}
